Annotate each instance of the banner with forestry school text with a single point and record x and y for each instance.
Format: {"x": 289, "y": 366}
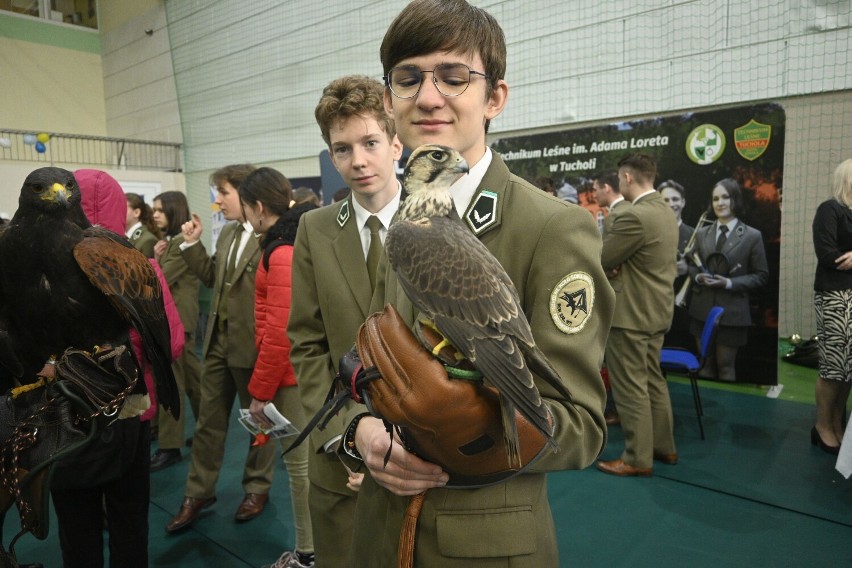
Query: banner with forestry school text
{"x": 696, "y": 150}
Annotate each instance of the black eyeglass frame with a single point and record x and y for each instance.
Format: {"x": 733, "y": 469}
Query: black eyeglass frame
{"x": 471, "y": 73}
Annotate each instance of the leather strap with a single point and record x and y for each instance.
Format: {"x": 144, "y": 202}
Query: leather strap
{"x": 405, "y": 552}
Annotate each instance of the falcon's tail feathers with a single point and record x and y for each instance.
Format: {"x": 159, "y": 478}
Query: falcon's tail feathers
{"x": 510, "y": 433}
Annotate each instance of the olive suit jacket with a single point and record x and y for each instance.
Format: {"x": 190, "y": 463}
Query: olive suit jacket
{"x": 643, "y": 242}
{"x": 331, "y": 299}
{"x": 548, "y": 248}
{"x": 748, "y": 271}
{"x": 240, "y": 347}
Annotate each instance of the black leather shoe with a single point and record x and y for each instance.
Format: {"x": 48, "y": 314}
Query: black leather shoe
{"x": 164, "y": 458}
{"x": 816, "y": 440}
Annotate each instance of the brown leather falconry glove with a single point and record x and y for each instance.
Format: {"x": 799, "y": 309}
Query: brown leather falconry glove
{"x": 453, "y": 422}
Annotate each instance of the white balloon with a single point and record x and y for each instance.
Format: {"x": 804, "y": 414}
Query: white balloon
{"x": 30, "y": 139}
{"x": 5, "y": 143}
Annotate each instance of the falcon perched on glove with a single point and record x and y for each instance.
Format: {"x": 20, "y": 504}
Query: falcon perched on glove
{"x": 65, "y": 283}
{"x": 453, "y": 279}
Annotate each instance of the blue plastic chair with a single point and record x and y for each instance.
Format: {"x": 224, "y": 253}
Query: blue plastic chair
{"x": 679, "y": 360}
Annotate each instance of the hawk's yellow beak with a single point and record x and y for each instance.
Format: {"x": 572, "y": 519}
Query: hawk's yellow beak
{"x": 58, "y": 193}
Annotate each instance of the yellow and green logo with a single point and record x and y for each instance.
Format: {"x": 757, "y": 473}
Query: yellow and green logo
{"x": 752, "y": 139}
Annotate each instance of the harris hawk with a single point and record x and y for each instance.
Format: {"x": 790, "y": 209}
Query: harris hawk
{"x": 457, "y": 284}
{"x": 65, "y": 283}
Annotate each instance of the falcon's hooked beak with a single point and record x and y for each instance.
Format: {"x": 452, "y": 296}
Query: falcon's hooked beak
{"x": 460, "y": 168}
{"x": 57, "y": 192}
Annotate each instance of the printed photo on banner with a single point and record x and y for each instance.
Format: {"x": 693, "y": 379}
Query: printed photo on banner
{"x": 706, "y": 161}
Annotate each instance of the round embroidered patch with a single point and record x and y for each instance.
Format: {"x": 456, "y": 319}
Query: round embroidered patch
{"x": 571, "y": 302}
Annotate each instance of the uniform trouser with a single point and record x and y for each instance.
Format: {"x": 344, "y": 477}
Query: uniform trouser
{"x": 289, "y": 403}
{"x": 641, "y": 395}
{"x": 219, "y": 386}
{"x": 80, "y": 516}
{"x": 187, "y": 370}
{"x": 333, "y": 518}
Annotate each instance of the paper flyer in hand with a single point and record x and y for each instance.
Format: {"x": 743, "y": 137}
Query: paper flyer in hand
{"x": 281, "y": 429}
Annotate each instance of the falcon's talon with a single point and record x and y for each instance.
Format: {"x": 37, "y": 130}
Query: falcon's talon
{"x": 443, "y": 343}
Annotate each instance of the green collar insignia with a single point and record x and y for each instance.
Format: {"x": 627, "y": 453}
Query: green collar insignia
{"x": 482, "y": 213}
{"x": 343, "y": 214}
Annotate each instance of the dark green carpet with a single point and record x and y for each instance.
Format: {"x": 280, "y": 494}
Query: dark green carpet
{"x": 755, "y": 493}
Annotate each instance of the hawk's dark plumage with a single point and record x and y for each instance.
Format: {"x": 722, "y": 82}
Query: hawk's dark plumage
{"x": 457, "y": 283}
{"x": 65, "y": 283}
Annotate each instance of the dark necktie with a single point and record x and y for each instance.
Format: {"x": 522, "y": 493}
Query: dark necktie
{"x": 375, "y": 250}
{"x": 229, "y": 276}
{"x": 723, "y": 237}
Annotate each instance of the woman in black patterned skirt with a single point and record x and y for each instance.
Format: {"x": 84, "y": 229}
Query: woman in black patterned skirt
{"x": 832, "y": 230}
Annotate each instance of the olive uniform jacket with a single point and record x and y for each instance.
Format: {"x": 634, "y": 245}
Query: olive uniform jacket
{"x": 240, "y": 347}
{"x": 144, "y": 240}
{"x": 183, "y": 284}
{"x": 643, "y": 242}
{"x": 748, "y": 270}
{"x": 331, "y": 291}
{"x": 551, "y": 251}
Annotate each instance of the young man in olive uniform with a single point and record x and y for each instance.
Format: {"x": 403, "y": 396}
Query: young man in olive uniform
{"x": 451, "y": 58}
{"x": 642, "y": 244}
{"x": 332, "y": 282}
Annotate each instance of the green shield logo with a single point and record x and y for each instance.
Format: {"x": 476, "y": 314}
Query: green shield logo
{"x": 752, "y": 139}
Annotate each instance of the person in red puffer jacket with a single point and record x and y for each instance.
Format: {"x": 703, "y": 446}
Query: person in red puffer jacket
{"x": 265, "y": 196}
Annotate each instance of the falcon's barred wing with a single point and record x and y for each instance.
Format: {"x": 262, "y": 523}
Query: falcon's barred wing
{"x": 448, "y": 271}
{"x": 128, "y": 280}
{"x": 456, "y": 281}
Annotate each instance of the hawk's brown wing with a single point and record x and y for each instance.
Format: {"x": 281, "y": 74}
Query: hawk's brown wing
{"x": 127, "y": 279}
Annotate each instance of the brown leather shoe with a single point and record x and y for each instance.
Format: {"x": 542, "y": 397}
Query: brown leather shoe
{"x": 669, "y": 459}
{"x": 618, "y": 467}
{"x": 189, "y": 511}
{"x": 252, "y": 506}
{"x": 612, "y": 418}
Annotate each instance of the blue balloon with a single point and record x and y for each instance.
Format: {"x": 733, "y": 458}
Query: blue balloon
{"x": 40, "y": 147}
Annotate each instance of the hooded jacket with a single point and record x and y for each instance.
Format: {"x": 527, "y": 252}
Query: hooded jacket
{"x": 104, "y": 204}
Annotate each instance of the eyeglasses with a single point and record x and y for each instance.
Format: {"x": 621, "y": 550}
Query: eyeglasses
{"x": 451, "y": 79}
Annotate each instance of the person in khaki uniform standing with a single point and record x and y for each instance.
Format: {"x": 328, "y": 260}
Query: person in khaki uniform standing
{"x": 332, "y": 285}
{"x": 171, "y": 210}
{"x": 229, "y": 355}
{"x": 564, "y": 293}
{"x": 641, "y": 246}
